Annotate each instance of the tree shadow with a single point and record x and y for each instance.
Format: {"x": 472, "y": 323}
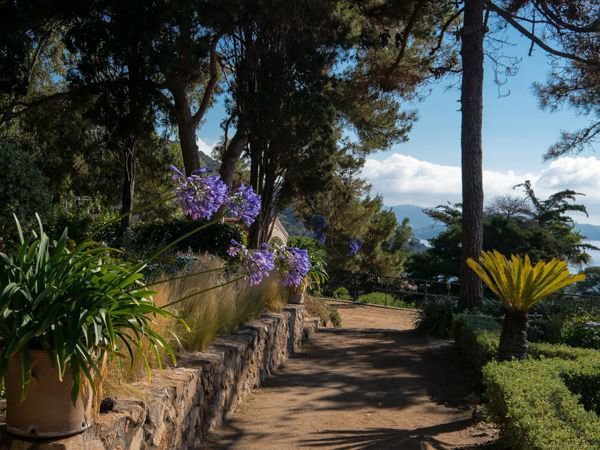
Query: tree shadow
{"x": 386, "y": 438}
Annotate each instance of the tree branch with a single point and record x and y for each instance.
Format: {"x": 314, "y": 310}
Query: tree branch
{"x": 543, "y": 7}
{"x": 520, "y": 28}
{"x": 212, "y": 81}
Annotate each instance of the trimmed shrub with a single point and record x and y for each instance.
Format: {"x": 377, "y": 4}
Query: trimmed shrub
{"x": 477, "y": 338}
{"x": 435, "y": 316}
{"x": 549, "y": 401}
{"x": 537, "y": 409}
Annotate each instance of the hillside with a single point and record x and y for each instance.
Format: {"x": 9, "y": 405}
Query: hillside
{"x": 425, "y": 227}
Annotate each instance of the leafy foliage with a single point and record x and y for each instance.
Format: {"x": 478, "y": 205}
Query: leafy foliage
{"x": 74, "y": 304}
{"x": 383, "y": 298}
{"x": 435, "y": 316}
{"x": 151, "y": 235}
{"x": 537, "y": 408}
{"x": 540, "y": 403}
{"x": 24, "y": 188}
{"x": 581, "y": 330}
{"x": 517, "y": 282}
{"x": 477, "y": 337}
{"x": 540, "y": 228}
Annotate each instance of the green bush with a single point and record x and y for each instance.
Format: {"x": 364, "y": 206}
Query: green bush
{"x": 582, "y": 330}
{"x": 477, "y": 338}
{"x": 342, "y": 293}
{"x": 538, "y": 409}
{"x": 383, "y": 298}
{"x": 549, "y": 401}
{"x": 435, "y": 316}
{"x": 216, "y": 239}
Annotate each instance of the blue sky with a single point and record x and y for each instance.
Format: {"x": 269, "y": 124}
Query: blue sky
{"x": 425, "y": 170}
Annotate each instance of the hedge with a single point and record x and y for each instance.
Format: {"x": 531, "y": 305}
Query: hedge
{"x": 477, "y": 338}
{"x": 533, "y": 403}
{"x": 550, "y": 401}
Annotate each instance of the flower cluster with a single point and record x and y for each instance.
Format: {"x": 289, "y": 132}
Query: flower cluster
{"x": 318, "y": 223}
{"x": 294, "y": 264}
{"x": 354, "y": 246}
{"x": 201, "y": 196}
{"x": 255, "y": 265}
{"x": 244, "y": 204}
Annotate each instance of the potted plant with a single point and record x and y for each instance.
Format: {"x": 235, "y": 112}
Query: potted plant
{"x": 301, "y": 267}
{"x": 64, "y": 312}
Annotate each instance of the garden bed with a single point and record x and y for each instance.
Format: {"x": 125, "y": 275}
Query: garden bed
{"x": 548, "y": 401}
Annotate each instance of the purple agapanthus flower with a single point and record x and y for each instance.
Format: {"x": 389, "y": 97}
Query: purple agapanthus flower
{"x": 318, "y": 222}
{"x": 200, "y": 196}
{"x": 255, "y": 265}
{"x": 294, "y": 264}
{"x": 354, "y": 246}
{"x": 244, "y": 204}
{"x": 320, "y": 237}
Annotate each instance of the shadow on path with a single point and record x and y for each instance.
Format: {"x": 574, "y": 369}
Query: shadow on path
{"x": 361, "y": 389}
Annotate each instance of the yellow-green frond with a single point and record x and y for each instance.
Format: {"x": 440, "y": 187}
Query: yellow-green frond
{"x": 519, "y": 283}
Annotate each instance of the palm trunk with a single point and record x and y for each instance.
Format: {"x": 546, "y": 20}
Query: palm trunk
{"x": 513, "y": 340}
{"x": 472, "y": 153}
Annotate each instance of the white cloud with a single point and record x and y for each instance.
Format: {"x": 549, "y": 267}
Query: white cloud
{"x": 205, "y": 147}
{"x": 405, "y": 179}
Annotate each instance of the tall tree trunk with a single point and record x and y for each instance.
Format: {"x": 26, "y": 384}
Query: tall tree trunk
{"x": 471, "y": 144}
{"x": 128, "y": 188}
{"x": 513, "y": 340}
{"x": 189, "y": 147}
{"x": 231, "y": 156}
{"x": 186, "y": 126}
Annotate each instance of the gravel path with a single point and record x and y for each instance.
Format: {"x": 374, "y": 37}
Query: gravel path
{"x": 373, "y": 384}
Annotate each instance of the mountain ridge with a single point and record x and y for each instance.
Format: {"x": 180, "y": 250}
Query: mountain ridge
{"x": 424, "y": 227}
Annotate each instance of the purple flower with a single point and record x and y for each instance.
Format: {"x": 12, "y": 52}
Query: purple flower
{"x": 354, "y": 246}
{"x": 320, "y": 237}
{"x": 199, "y": 196}
{"x": 244, "y": 204}
{"x": 294, "y": 264}
{"x": 255, "y": 265}
{"x": 318, "y": 222}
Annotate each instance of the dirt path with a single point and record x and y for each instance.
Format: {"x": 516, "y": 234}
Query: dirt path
{"x": 382, "y": 386}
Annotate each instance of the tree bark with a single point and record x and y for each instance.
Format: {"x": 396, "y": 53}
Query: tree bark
{"x": 186, "y": 126}
{"x": 513, "y": 340}
{"x": 128, "y": 188}
{"x": 232, "y": 154}
{"x": 472, "y": 153}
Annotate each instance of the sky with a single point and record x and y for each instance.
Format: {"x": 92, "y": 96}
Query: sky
{"x": 425, "y": 171}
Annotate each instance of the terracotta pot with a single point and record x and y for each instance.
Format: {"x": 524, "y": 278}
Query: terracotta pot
{"x": 48, "y": 410}
{"x": 296, "y": 296}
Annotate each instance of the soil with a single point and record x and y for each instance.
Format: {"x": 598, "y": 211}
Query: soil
{"x": 376, "y": 383}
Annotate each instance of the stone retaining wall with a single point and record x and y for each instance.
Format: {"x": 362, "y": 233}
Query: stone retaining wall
{"x": 183, "y": 404}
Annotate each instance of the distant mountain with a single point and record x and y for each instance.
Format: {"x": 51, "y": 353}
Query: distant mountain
{"x": 591, "y": 232}
{"x": 424, "y": 227}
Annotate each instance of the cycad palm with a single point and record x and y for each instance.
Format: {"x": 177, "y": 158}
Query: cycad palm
{"x": 520, "y": 285}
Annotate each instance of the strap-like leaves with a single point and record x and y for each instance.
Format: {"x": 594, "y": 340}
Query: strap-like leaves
{"x": 73, "y": 304}
{"x": 517, "y": 282}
